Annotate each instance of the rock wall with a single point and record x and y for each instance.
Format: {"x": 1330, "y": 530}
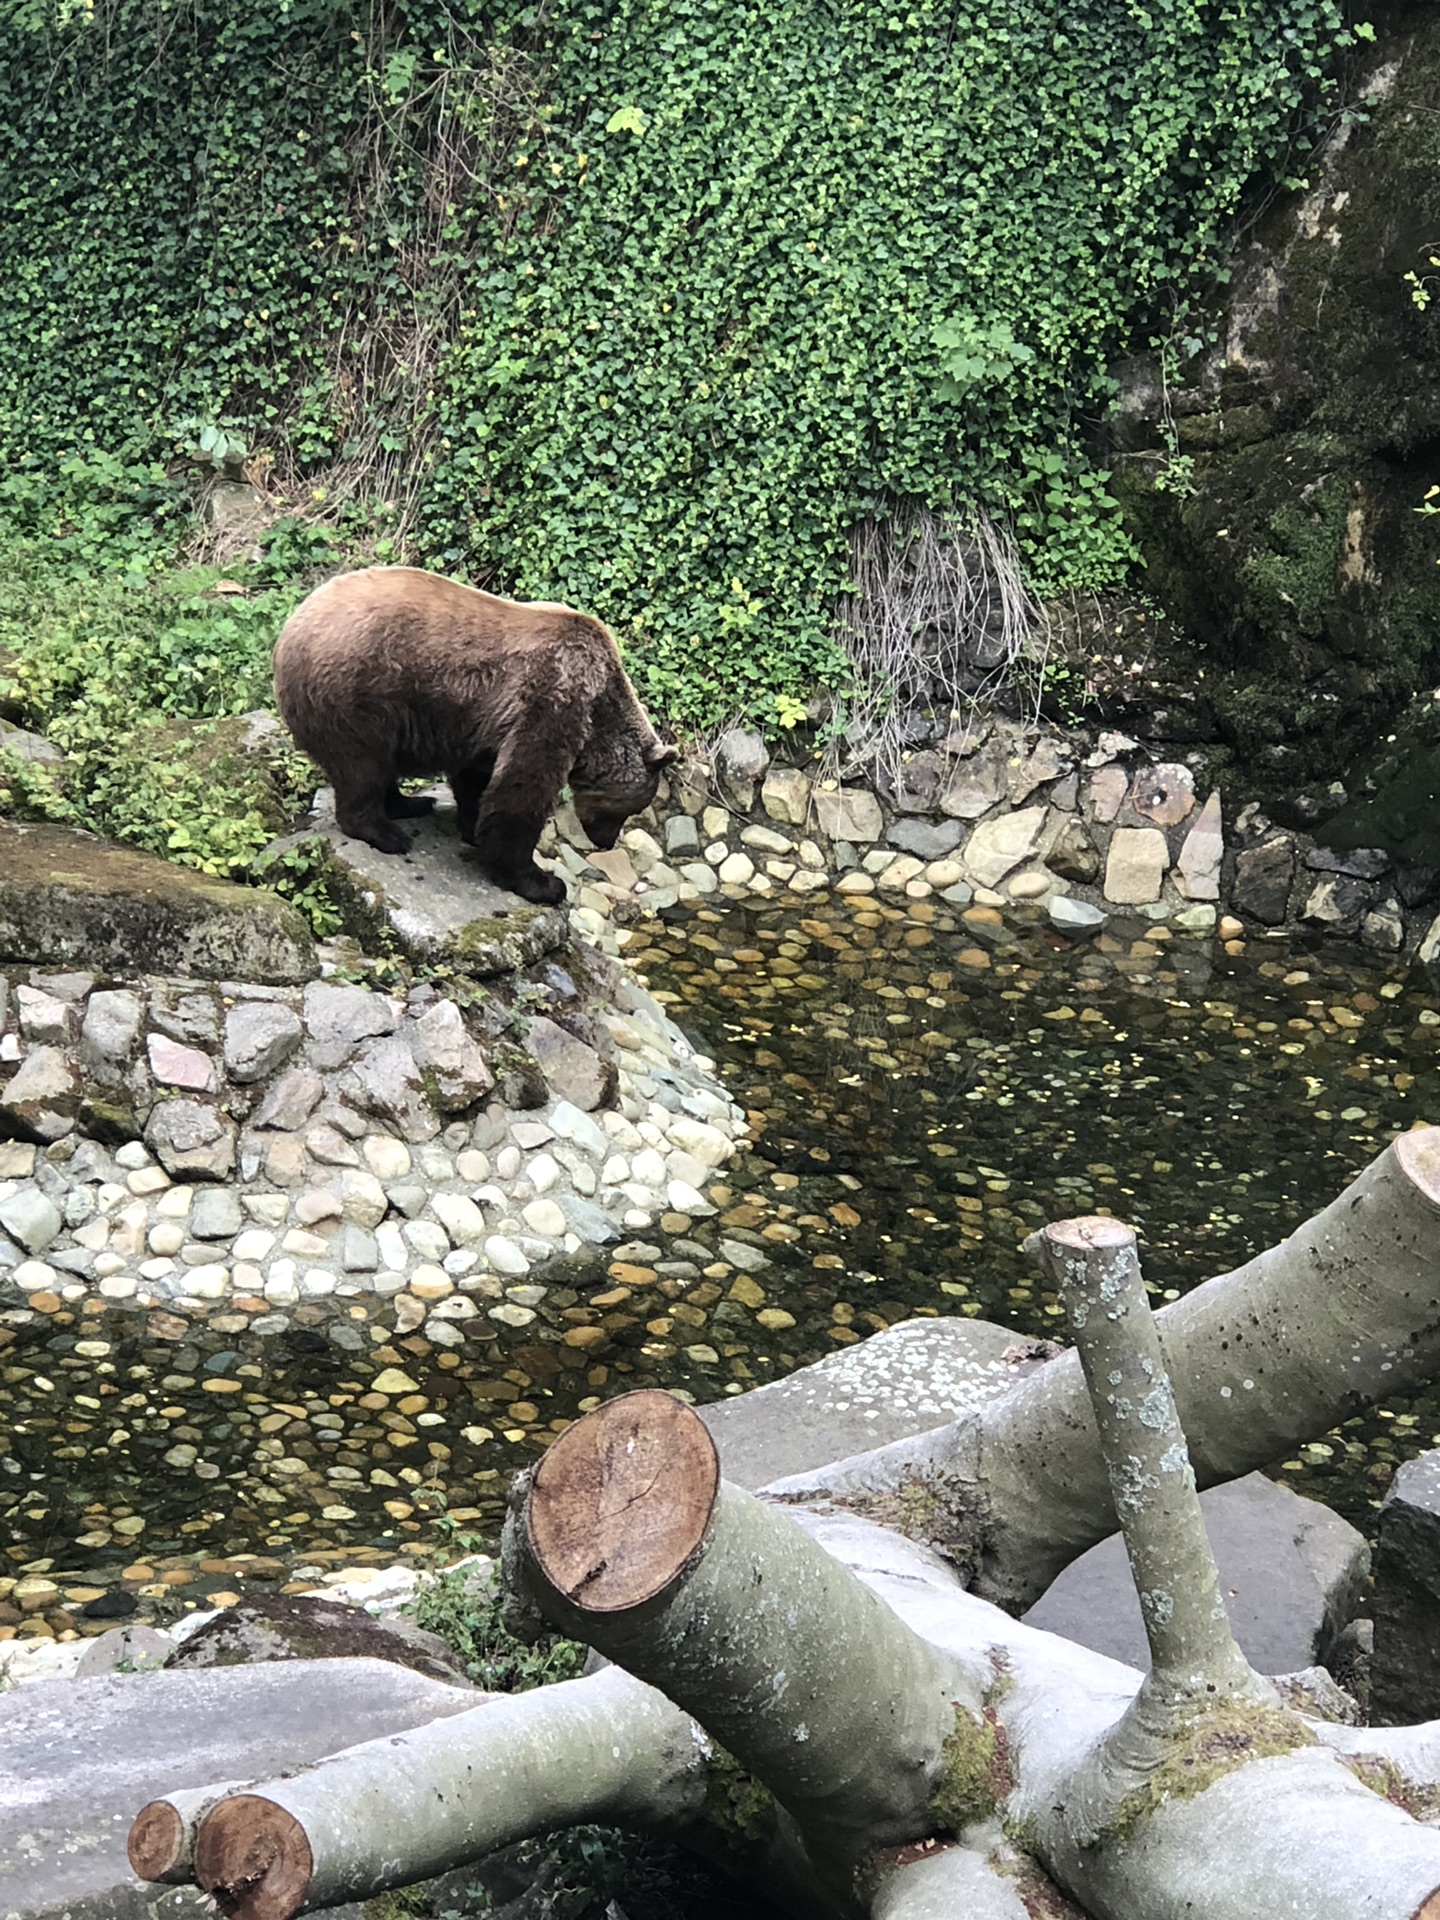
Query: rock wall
{"x": 1285, "y": 542}
{"x": 1001, "y": 818}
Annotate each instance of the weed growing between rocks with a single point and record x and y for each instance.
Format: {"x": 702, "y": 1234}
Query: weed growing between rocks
{"x": 468, "y": 1613}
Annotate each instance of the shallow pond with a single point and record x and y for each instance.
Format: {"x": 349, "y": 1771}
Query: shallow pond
{"x": 926, "y": 1088}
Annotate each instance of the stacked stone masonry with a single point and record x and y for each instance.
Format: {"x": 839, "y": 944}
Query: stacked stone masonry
{"x": 196, "y": 1143}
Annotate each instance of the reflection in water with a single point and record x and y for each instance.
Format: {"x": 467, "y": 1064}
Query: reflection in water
{"x": 926, "y": 1089}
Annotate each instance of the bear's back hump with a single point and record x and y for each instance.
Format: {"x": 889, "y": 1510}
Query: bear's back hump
{"x": 382, "y": 611}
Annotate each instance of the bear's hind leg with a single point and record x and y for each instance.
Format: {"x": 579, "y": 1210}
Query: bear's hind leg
{"x": 407, "y": 806}
{"x": 360, "y": 812}
{"x": 468, "y": 785}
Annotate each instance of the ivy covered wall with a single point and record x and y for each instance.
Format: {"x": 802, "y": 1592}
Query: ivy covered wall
{"x": 638, "y": 303}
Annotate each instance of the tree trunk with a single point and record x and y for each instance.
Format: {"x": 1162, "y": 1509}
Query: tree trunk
{"x": 877, "y": 1739}
{"x": 1342, "y": 1314}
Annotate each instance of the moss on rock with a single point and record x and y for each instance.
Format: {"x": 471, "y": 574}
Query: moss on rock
{"x": 69, "y": 898}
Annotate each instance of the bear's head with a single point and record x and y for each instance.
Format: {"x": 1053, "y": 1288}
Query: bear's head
{"x": 602, "y": 806}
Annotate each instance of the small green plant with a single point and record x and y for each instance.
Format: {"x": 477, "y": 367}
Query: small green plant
{"x": 1421, "y": 284}
{"x": 471, "y": 1618}
{"x": 790, "y": 712}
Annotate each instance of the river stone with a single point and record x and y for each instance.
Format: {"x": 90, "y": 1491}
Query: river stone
{"x": 1363, "y": 863}
{"x": 31, "y": 1219}
{"x": 45, "y": 1019}
{"x": 1263, "y": 877}
{"x": 567, "y": 1120}
{"x": 1163, "y": 795}
{"x": 388, "y": 1082}
{"x": 1046, "y": 760}
{"x": 42, "y": 1098}
{"x": 339, "y": 1018}
{"x": 291, "y": 1100}
{"x": 436, "y": 904}
{"x": 1383, "y": 930}
{"x": 68, "y": 897}
{"x": 1135, "y": 866}
{"x": 917, "y": 1375}
{"x": 915, "y": 783}
{"x": 998, "y": 846}
{"x": 1074, "y": 856}
{"x": 681, "y": 836}
{"x": 1293, "y": 1574}
{"x": 259, "y": 1038}
{"x": 1074, "y": 916}
{"x": 191, "y": 1140}
{"x": 444, "y": 1049}
{"x": 1337, "y": 901}
{"x": 174, "y": 1065}
{"x": 215, "y": 1215}
{"x": 976, "y": 785}
{"x": 111, "y": 1028}
{"x": 1106, "y": 793}
{"x": 1198, "y": 867}
{"x": 78, "y": 1758}
{"x": 573, "y": 1070}
{"x": 1405, "y": 1672}
{"x": 929, "y": 839}
{"x": 849, "y": 814}
{"x": 741, "y": 759}
{"x": 785, "y": 796}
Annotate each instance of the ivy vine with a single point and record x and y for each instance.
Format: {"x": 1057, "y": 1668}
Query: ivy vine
{"x": 635, "y": 303}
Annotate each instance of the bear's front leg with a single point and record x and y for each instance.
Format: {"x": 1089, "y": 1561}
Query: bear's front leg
{"x": 407, "y": 806}
{"x": 505, "y": 845}
{"x": 360, "y": 812}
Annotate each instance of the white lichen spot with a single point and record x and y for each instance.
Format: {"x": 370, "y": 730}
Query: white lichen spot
{"x": 1175, "y": 1459}
{"x": 1157, "y": 1410}
{"x": 802, "y": 1732}
{"x": 1158, "y": 1606}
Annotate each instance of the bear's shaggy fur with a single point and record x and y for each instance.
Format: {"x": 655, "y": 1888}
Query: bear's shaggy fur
{"x": 392, "y": 672}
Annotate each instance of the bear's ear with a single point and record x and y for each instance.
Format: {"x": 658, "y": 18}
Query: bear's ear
{"x": 657, "y": 754}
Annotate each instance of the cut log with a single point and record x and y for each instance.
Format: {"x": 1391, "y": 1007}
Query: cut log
{"x": 813, "y": 1685}
{"x": 1344, "y": 1313}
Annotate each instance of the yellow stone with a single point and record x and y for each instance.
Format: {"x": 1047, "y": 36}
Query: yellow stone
{"x": 583, "y": 1337}
{"x": 748, "y": 1292}
{"x": 222, "y": 1386}
{"x": 775, "y": 1319}
{"x": 392, "y": 1380}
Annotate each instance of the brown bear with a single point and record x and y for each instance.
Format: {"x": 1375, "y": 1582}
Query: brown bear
{"x": 392, "y": 672}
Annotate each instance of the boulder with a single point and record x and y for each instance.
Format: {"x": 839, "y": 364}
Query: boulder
{"x": 191, "y": 1141}
{"x": 307, "y": 1626}
{"x": 79, "y": 1758}
{"x": 70, "y": 897}
{"x": 1263, "y": 877}
{"x": 1135, "y": 866}
{"x": 1198, "y": 866}
{"x": 917, "y": 1375}
{"x": 785, "y": 796}
{"x": 1293, "y": 1574}
{"x": 42, "y": 1098}
{"x": 1405, "y": 1671}
{"x": 977, "y": 784}
{"x": 433, "y": 902}
{"x": 1163, "y": 795}
{"x": 849, "y": 814}
{"x": 927, "y": 839}
{"x": 998, "y": 846}
{"x": 260, "y": 1036}
{"x": 741, "y": 759}
{"x": 574, "y": 1072}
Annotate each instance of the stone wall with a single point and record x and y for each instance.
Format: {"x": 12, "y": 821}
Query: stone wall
{"x": 998, "y": 817}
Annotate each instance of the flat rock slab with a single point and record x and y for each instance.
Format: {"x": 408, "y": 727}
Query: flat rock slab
{"x": 917, "y": 1375}
{"x": 1293, "y": 1574}
{"x": 79, "y": 1758}
{"x": 434, "y": 899}
{"x": 68, "y": 898}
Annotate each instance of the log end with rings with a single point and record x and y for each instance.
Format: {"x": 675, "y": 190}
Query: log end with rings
{"x": 620, "y": 1503}
{"x": 253, "y": 1859}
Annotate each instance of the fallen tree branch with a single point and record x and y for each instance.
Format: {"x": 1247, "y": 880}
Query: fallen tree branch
{"x": 415, "y": 1804}
{"x": 630, "y": 1541}
{"x": 1343, "y": 1313}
